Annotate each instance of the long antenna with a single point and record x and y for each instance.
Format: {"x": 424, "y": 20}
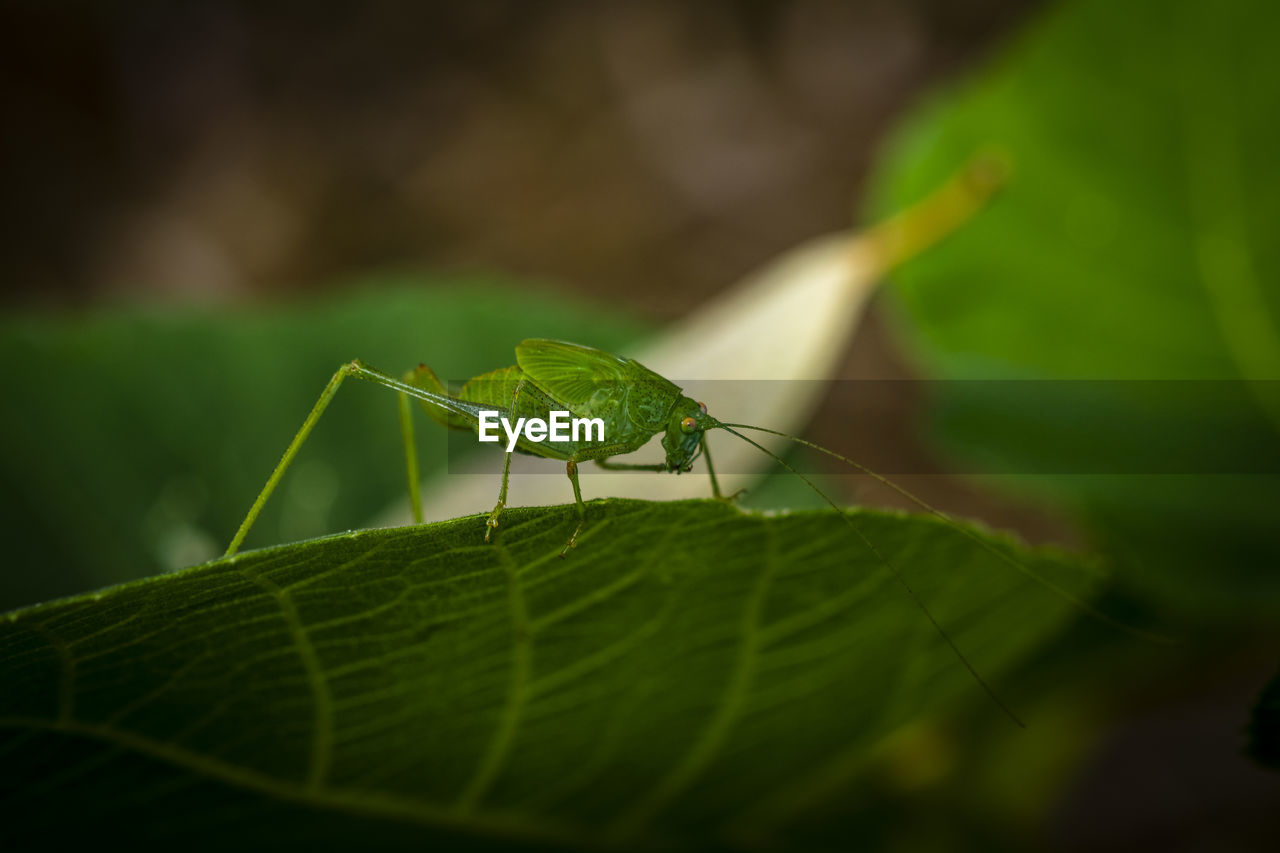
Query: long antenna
{"x": 892, "y": 568}
{"x": 1078, "y": 602}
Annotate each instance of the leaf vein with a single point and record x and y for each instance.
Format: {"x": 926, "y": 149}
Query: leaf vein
{"x": 322, "y": 702}
{"x": 517, "y": 693}
{"x": 702, "y": 751}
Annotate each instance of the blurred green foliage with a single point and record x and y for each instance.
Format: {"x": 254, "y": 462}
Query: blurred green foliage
{"x": 138, "y": 438}
{"x": 1134, "y": 242}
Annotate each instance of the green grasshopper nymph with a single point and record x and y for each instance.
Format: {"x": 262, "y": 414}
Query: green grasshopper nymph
{"x": 633, "y": 403}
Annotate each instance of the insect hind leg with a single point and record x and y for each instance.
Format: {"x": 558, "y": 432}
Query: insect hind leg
{"x": 351, "y": 368}
{"x": 410, "y": 449}
{"x": 418, "y": 385}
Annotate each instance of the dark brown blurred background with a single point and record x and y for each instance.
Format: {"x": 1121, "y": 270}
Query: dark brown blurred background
{"x": 641, "y": 154}
{"x": 645, "y": 153}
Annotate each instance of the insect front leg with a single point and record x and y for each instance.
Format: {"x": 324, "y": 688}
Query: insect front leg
{"x": 715, "y": 483}
{"x": 502, "y": 500}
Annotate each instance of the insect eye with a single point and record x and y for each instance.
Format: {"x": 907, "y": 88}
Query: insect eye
{"x": 703, "y": 407}
{"x": 688, "y": 425}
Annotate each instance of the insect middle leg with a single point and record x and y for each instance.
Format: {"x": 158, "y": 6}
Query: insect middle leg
{"x": 502, "y": 500}
{"x": 492, "y": 521}
{"x": 571, "y": 468}
{"x": 610, "y": 465}
{"x": 601, "y": 456}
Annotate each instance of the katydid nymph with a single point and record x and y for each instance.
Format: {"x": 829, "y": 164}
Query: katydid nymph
{"x": 633, "y": 404}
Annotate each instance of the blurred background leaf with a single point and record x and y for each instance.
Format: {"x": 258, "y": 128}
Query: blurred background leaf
{"x": 140, "y": 437}
{"x": 1135, "y": 242}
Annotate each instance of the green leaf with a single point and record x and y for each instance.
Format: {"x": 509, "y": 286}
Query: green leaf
{"x": 148, "y": 432}
{"x": 1135, "y": 241}
{"x": 691, "y": 674}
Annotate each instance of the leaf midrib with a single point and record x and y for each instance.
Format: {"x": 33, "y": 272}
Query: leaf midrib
{"x": 492, "y": 824}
